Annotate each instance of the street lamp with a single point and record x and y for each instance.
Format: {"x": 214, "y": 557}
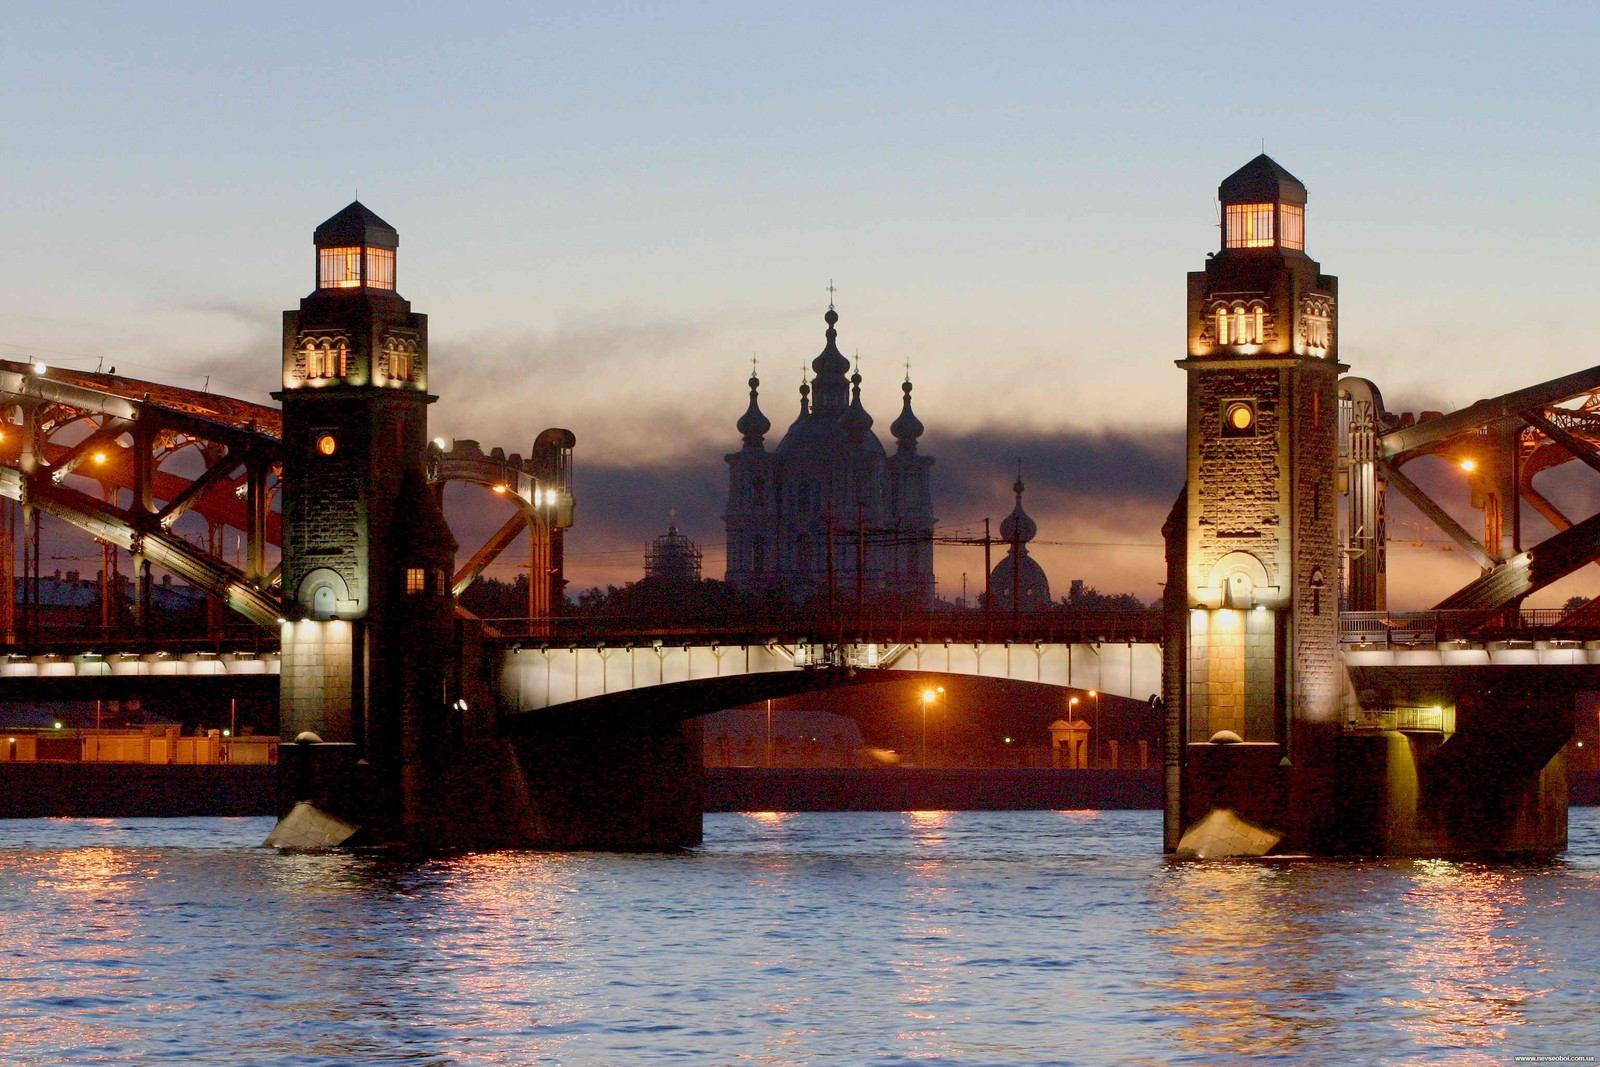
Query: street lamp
{"x": 1072, "y": 717}
{"x": 927, "y": 698}
{"x": 1094, "y": 734}
{"x": 944, "y": 723}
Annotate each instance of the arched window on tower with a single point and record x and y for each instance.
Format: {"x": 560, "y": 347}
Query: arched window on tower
{"x": 398, "y": 357}
{"x": 1240, "y": 323}
{"x": 1222, "y": 326}
{"x": 758, "y": 491}
{"x": 329, "y": 359}
{"x": 1258, "y": 326}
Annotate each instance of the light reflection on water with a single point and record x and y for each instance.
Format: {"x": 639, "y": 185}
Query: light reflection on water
{"x": 920, "y": 937}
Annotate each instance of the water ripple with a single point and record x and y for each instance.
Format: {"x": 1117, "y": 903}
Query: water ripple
{"x": 1004, "y": 938}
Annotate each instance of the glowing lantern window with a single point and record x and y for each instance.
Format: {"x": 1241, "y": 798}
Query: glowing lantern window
{"x": 326, "y": 444}
{"x": 1248, "y": 226}
{"x": 1293, "y": 219}
{"x": 341, "y": 268}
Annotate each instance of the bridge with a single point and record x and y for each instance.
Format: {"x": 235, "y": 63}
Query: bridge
{"x": 559, "y": 663}
{"x": 1275, "y": 645}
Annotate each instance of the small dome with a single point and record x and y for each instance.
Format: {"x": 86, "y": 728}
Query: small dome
{"x": 856, "y": 420}
{"x": 907, "y": 428}
{"x": 753, "y": 424}
{"x": 830, "y": 368}
{"x": 1018, "y": 527}
{"x": 1031, "y": 585}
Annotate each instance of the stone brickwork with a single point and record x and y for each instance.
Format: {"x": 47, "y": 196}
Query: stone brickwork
{"x": 1238, "y": 486}
{"x": 1316, "y": 670}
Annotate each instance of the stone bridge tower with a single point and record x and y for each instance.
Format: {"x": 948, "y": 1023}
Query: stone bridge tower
{"x": 1259, "y": 558}
{"x": 368, "y": 657}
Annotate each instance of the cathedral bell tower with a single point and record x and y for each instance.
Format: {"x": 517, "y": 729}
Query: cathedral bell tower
{"x": 1261, "y": 679}
{"x": 366, "y": 553}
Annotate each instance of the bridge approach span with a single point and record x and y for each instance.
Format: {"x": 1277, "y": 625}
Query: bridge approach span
{"x": 549, "y": 676}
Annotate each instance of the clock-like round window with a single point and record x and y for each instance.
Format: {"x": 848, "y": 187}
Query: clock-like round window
{"x": 1239, "y": 418}
{"x": 327, "y": 445}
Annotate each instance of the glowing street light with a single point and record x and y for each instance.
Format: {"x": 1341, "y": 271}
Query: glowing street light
{"x": 928, "y": 696}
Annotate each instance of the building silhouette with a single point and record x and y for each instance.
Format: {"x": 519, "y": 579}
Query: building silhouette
{"x": 1018, "y": 579}
{"x": 673, "y": 558}
{"x": 829, "y": 514}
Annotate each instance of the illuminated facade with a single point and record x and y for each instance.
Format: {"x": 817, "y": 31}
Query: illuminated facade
{"x": 367, "y": 555}
{"x": 829, "y": 502}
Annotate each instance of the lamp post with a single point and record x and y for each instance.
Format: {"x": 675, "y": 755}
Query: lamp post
{"x": 944, "y": 723}
{"x": 1072, "y": 717}
{"x": 1094, "y": 733}
{"x": 927, "y": 698}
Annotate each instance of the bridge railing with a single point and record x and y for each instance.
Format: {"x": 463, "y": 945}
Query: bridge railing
{"x": 884, "y": 628}
{"x": 78, "y": 640}
{"x": 1390, "y": 628}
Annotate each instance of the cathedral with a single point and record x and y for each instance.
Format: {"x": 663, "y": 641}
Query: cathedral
{"x": 829, "y": 509}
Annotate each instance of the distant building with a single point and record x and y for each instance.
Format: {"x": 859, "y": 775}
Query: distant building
{"x": 829, "y": 501}
{"x": 672, "y": 557}
{"x": 71, "y": 601}
{"x": 1018, "y": 579}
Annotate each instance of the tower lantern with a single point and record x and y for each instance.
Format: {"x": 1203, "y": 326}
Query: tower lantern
{"x": 356, "y": 250}
{"x": 1263, "y": 206}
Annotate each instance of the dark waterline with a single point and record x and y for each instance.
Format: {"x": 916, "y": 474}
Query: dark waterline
{"x": 841, "y": 938}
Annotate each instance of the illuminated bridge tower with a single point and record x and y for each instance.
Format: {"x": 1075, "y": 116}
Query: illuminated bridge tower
{"x": 1258, "y": 676}
{"x": 368, "y": 659}
{"x": 403, "y": 695}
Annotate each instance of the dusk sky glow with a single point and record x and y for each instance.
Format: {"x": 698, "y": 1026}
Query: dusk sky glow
{"x": 606, "y": 210}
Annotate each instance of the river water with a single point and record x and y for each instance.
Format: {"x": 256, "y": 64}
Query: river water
{"x": 1000, "y": 938}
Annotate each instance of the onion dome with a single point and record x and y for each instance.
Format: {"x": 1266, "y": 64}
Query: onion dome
{"x": 805, "y": 396}
{"x": 752, "y": 424}
{"x": 856, "y": 421}
{"x": 907, "y": 428}
{"x": 1017, "y": 528}
{"x": 830, "y": 366}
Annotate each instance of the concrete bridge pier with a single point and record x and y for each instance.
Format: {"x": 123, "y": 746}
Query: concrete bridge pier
{"x": 1493, "y": 786}
{"x": 1496, "y": 785}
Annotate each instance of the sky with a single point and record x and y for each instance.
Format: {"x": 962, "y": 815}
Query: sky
{"x": 607, "y": 210}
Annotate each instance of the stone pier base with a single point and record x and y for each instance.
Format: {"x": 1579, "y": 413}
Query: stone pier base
{"x": 561, "y": 789}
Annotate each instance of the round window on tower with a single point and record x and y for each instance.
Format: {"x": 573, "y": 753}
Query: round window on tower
{"x": 327, "y": 445}
{"x": 1238, "y": 418}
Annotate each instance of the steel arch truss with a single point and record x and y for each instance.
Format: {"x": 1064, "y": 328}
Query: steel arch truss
{"x": 90, "y": 449}
{"x": 1500, "y": 444}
